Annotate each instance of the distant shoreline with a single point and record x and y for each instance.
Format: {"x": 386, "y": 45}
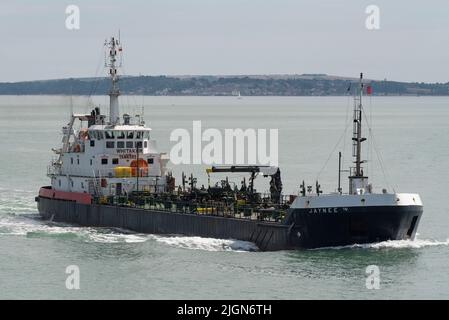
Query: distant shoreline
{"x": 264, "y": 85}
{"x": 217, "y": 96}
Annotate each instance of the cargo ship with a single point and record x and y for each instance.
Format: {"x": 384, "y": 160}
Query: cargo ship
{"x": 109, "y": 173}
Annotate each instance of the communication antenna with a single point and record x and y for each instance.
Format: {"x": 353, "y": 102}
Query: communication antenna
{"x": 114, "y": 48}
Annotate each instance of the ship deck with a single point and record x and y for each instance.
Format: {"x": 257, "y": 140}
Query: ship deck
{"x": 231, "y": 209}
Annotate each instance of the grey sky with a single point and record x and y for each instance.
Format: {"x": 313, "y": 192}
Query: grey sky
{"x": 228, "y": 37}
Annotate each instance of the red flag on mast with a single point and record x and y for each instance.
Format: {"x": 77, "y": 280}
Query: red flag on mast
{"x": 369, "y": 90}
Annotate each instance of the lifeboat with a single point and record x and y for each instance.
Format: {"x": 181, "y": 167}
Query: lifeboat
{"x": 123, "y": 172}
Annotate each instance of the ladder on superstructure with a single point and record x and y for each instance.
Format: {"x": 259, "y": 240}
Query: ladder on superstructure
{"x": 94, "y": 185}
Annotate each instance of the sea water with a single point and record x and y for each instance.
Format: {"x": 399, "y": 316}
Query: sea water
{"x": 407, "y": 149}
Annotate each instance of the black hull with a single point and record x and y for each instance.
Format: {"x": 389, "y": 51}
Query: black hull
{"x": 313, "y": 229}
{"x": 301, "y": 229}
{"x": 267, "y": 236}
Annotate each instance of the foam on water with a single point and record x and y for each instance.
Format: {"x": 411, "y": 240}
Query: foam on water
{"x": 401, "y": 244}
{"x": 393, "y": 244}
{"x": 33, "y": 227}
{"x": 208, "y": 244}
{"x": 117, "y": 237}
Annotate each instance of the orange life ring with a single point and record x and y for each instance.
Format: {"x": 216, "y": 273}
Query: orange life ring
{"x": 143, "y": 168}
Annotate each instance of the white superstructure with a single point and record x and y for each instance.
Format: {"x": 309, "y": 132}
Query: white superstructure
{"x": 105, "y": 158}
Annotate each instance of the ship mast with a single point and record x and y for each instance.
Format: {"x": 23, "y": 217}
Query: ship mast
{"x": 357, "y": 180}
{"x": 113, "y": 46}
{"x": 357, "y": 133}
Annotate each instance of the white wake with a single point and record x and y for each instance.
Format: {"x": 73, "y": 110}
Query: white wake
{"x": 394, "y": 244}
{"x": 208, "y": 244}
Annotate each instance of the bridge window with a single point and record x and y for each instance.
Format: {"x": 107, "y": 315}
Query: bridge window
{"x": 109, "y": 134}
{"x": 121, "y": 135}
{"x": 130, "y": 144}
{"x": 110, "y": 144}
{"x": 146, "y": 135}
{"x": 120, "y": 144}
{"x": 130, "y": 134}
{"x": 96, "y": 134}
{"x": 139, "y": 134}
